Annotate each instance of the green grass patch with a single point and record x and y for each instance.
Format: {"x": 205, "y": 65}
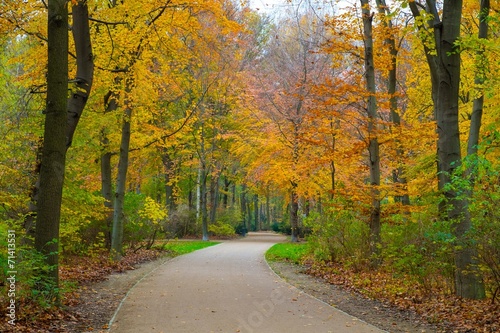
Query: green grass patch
{"x": 293, "y": 252}
{"x": 176, "y": 248}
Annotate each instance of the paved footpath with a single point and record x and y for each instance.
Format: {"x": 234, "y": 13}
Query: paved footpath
{"x": 226, "y": 288}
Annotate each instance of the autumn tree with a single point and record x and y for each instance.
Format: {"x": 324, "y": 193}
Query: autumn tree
{"x": 285, "y": 79}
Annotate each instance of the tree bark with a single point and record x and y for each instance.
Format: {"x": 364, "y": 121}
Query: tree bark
{"x": 445, "y": 71}
{"x": 258, "y": 227}
{"x": 121, "y": 181}
{"x": 225, "y": 197}
{"x": 82, "y": 84}
{"x": 107, "y": 189}
{"x": 168, "y": 168}
{"x": 54, "y": 145}
{"x": 243, "y": 205}
{"x": 214, "y": 198}
{"x": 373, "y": 145}
{"x": 268, "y": 207}
{"x": 110, "y": 104}
{"x": 294, "y": 214}
{"x": 477, "y": 106}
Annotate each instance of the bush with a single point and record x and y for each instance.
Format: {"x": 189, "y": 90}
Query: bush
{"x": 181, "y": 223}
{"x": 31, "y": 271}
{"x": 339, "y": 235}
{"x": 221, "y": 230}
{"x": 486, "y": 226}
{"x": 144, "y": 220}
{"x": 422, "y": 249}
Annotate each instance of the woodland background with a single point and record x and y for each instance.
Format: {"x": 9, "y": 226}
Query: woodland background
{"x": 369, "y": 129}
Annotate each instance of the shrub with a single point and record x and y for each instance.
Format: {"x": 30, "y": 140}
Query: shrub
{"x": 31, "y": 271}
{"x": 144, "y": 220}
{"x": 339, "y": 235}
{"x": 221, "y": 230}
{"x": 181, "y": 222}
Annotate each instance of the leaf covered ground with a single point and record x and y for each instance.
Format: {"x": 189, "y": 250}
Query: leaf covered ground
{"x": 443, "y": 310}
{"x": 449, "y": 312}
{"x": 76, "y": 273}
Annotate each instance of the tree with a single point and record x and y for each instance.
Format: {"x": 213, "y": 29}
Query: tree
{"x": 373, "y": 144}
{"x": 62, "y": 115}
{"x": 444, "y": 65}
{"x": 284, "y": 83}
{"x": 54, "y": 139}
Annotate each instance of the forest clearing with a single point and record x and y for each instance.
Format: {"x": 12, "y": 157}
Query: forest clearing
{"x": 367, "y": 132}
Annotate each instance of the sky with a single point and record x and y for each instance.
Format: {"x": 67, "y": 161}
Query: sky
{"x": 267, "y": 5}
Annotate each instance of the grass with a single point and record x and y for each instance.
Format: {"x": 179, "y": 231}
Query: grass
{"x": 292, "y": 252}
{"x": 176, "y": 248}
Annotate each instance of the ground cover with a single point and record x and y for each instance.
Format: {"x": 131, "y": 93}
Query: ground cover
{"x": 94, "y": 286}
{"x": 399, "y": 296}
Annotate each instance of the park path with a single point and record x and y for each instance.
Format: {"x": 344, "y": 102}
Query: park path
{"x": 226, "y": 288}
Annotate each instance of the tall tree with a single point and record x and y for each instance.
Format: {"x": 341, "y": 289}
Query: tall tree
{"x": 373, "y": 144}
{"x": 54, "y": 143}
{"x": 59, "y": 105}
{"x": 444, "y": 65}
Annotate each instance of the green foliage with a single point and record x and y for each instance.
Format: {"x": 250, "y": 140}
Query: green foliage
{"x": 422, "y": 249}
{"x": 486, "y": 223}
{"x": 282, "y": 227}
{"x": 178, "y": 248}
{"x": 144, "y": 220}
{"x": 221, "y": 230}
{"x": 83, "y": 218}
{"x": 293, "y": 252}
{"x": 231, "y": 216}
{"x": 31, "y": 271}
{"x": 339, "y": 235}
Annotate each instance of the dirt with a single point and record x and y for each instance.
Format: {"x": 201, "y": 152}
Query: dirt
{"x": 98, "y": 302}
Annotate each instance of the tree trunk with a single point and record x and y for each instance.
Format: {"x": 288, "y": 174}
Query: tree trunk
{"x": 256, "y": 212}
{"x": 294, "y": 214}
{"x": 110, "y": 104}
{"x": 54, "y": 145}
{"x": 225, "y": 197}
{"x": 334, "y": 126}
{"x": 168, "y": 168}
{"x": 477, "y": 107}
{"x": 268, "y": 207}
{"x": 467, "y": 278}
{"x": 80, "y": 89}
{"x": 107, "y": 188}
{"x": 121, "y": 182}
{"x": 373, "y": 145}
{"x": 249, "y": 214}
{"x": 203, "y": 174}
{"x": 203, "y": 203}
{"x": 432, "y": 62}
{"x": 471, "y": 286}
{"x": 198, "y": 193}
{"x": 243, "y": 205}
{"x": 214, "y": 198}
{"x": 445, "y": 74}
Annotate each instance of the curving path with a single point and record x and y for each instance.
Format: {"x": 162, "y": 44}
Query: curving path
{"x": 226, "y": 288}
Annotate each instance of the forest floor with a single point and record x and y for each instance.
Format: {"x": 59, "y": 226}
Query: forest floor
{"x": 102, "y": 288}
